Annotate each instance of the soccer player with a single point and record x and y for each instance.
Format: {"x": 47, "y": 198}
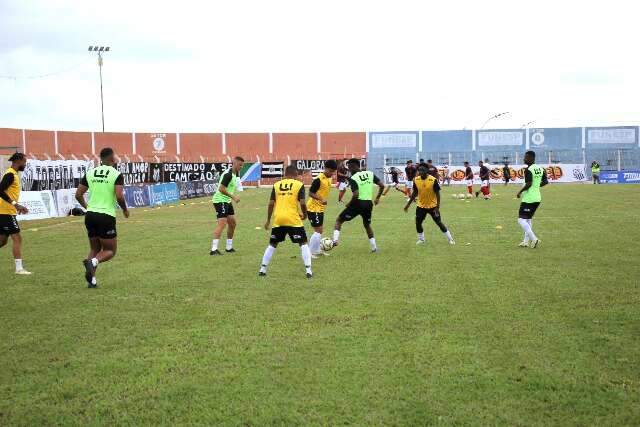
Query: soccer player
{"x": 468, "y": 176}
{"x": 317, "y": 203}
{"x": 506, "y": 173}
{"x": 361, "y": 183}
{"x": 105, "y": 185}
{"x": 227, "y": 186}
{"x": 534, "y": 177}
{"x": 484, "y": 174}
{"x": 342, "y": 175}
{"x": 427, "y": 191}
{"x": 409, "y": 173}
{"x": 283, "y": 206}
{"x": 395, "y": 181}
{"x": 446, "y": 176}
{"x": 10, "y": 208}
{"x": 432, "y": 170}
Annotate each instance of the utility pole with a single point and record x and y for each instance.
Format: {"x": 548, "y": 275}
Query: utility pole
{"x": 99, "y": 50}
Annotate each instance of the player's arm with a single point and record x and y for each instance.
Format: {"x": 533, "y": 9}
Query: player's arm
{"x": 528, "y": 180}
{"x": 380, "y": 185}
{"x": 222, "y": 187}
{"x": 6, "y": 182}
{"x": 354, "y": 191}
{"x": 303, "y": 206}
{"x": 545, "y": 180}
{"x": 82, "y": 189}
{"x": 119, "y": 187}
{"x": 272, "y": 203}
{"x": 436, "y": 189}
{"x": 414, "y": 194}
{"x": 315, "y": 186}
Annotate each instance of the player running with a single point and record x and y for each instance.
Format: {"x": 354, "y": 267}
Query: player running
{"x": 227, "y": 186}
{"x": 534, "y": 177}
{"x": 343, "y": 180}
{"x": 395, "y": 181}
{"x": 409, "y": 173}
{"x": 484, "y": 174}
{"x": 427, "y": 191}
{"x": 317, "y": 203}
{"x": 10, "y": 208}
{"x": 468, "y": 176}
{"x": 105, "y": 185}
{"x": 283, "y": 205}
{"x": 361, "y": 183}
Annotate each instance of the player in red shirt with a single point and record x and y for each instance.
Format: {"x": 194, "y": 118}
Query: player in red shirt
{"x": 343, "y": 180}
{"x": 468, "y": 176}
{"x": 484, "y": 181}
{"x": 410, "y": 173}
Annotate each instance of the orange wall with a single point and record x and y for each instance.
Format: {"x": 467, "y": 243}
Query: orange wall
{"x": 76, "y": 143}
{"x": 120, "y": 142}
{"x": 11, "y": 138}
{"x": 296, "y": 145}
{"x": 40, "y": 142}
{"x": 341, "y": 143}
{"x": 248, "y": 145}
{"x": 194, "y": 145}
{"x": 145, "y": 148}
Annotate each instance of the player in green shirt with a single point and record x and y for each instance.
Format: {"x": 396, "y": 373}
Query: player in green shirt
{"x": 227, "y": 186}
{"x": 362, "y": 183}
{"x": 106, "y": 187}
{"x": 534, "y": 177}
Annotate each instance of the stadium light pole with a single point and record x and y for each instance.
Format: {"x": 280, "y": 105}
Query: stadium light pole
{"x": 495, "y": 116}
{"x": 99, "y": 50}
{"x": 526, "y": 125}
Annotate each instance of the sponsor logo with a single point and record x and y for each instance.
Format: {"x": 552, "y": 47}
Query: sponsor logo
{"x": 631, "y": 176}
{"x": 537, "y": 138}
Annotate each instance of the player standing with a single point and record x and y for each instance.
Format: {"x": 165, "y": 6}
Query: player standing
{"x": 410, "y": 174}
{"x": 105, "y": 185}
{"x": 484, "y": 174}
{"x": 468, "y": 176}
{"x": 446, "y": 176}
{"x": 343, "y": 180}
{"x": 427, "y": 191}
{"x": 10, "y": 208}
{"x": 227, "y": 186}
{"x": 361, "y": 183}
{"x": 534, "y": 177}
{"x": 317, "y": 203}
{"x": 506, "y": 173}
{"x": 286, "y": 194}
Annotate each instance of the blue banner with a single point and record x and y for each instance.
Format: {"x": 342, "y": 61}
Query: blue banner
{"x": 171, "y": 193}
{"x": 137, "y": 196}
{"x": 621, "y": 177}
{"x": 156, "y": 194}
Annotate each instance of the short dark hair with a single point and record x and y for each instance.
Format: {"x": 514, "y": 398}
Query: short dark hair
{"x": 106, "y": 152}
{"x": 238, "y": 158}
{"x": 429, "y": 161}
{"x": 466, "y": 163}
{"x": 422, "y": 168}
{"x": 409, "y": 161}
{"x": 291, "y": 170}
{"x": 16, "y": 157}
{"x": 353, "y": 161}
{"x": 531, "y": 153}
{"x": 331, "y": 164}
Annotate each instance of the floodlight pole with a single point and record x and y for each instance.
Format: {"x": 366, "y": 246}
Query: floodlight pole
{"x": 495, "y": 116}
{"x": 99, "y": 50}
{"x": 526, "y": 125}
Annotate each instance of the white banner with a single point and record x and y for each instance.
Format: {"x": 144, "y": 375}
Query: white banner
{"x": 65, "y": 201}
{"x": 41, "y": 205}
{"x": 394, "y": 140}
{"x": 53, "y": 174}
{"x": 496, "y": 138}
{"x": 555, "y": 173}
{"x": 612, "y": 136}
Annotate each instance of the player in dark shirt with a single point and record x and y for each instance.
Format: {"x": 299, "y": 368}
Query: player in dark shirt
{"x": 432, "y": 170}
{"x": 484, "y": 181}
{"x": 342, "y": 176}
{"x": 468, "y": 176}
{"x": 410, "y": 172}
{"x": 395, "y": 180}
{"x": 506, "y": 173}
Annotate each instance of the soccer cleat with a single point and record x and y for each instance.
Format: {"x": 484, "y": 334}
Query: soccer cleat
{"x": 23, "y": 272}
{"x": 452, "y": 242}
{"x": 216, "y": 252}
{"x": 262, "y": 273}
{"x": 534, "y": 244}
{"x": 309, "y": 275}
{"x": 92, "y": 285}
{"x": 420, "y": 242}
{"x": 523, "y": 245}
{"x": 374, "y": 250}
{"x": 89, "y": 270}
{"x": 477, "y": 192}
{"x": 230, "y": 251}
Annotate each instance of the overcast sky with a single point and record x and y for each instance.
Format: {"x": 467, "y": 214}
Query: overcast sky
{"x": 327, "y": 65}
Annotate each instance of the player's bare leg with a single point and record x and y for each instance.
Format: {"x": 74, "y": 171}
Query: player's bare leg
{"x": 438, "y": 220}
{"x": 3, "y": 240}
{"x": 231, "y": 228}
{"x": 217, "y": 232}
{"x": 16, "y": 240}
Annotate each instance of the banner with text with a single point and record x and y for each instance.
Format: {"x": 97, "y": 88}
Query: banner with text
{"x": 53, "y": 174}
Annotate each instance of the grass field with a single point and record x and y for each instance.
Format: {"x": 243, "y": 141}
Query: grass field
{"x": 482, "y": 332}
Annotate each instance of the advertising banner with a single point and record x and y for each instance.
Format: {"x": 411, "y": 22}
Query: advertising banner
{"x": 620, "y": 177}
{"x": 136, "y": 196}
{"x": 500, "y": 138}
{"x": 272, "y": 170}
{"x": 171, "y": 193}
{"x": 210, "y": 187}
{"x": 620, "y": 135}
{"x": 555, "y": 173}
{"x": 53, "y": 174}
{"x": 157, "y": 195}
{"x": 135, "y": 173}
{"x": 314, "y": 166}
{"x": 41, "y": 205}
{"x": 393, "y": 140}
{"x": 65, "y": 201}
{"x": 185, "y": 172}
{"x": 187, "y": 190}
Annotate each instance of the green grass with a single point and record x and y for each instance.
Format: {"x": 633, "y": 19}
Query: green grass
{"x": 478, "y": 333}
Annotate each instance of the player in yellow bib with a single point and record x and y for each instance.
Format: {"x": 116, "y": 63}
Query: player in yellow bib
{"x": 317, "y": 203}
{"x": 10, "y": 208}
{"x": 426, "y": 192}
{"x": 286, "y": 195}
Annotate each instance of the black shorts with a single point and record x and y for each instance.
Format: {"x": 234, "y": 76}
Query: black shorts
{"x": 223, "y": 209}
{"x": 527, "y": 210}
{"x": 506, "y": 179}
{"x": 100, "y": 225}
{"x": 421, "y": 213}
{"x": 8, "y": 225}
{"x": 364, "y": 208}
{"x": 296, "y": 234}
{"x": 316, "y": 218}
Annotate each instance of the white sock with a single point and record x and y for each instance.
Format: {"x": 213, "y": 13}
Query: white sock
{"x": 421, "y": 236}
{"x": 527, "y": 229}
{"x": 229, "y": 244}
{"x": 336, "y": 235}
{"x": 266, "y": 259}
{"x": 94, "y": 262}
{"x": 448, "y": 234}
{"x": 94, "y": 281}
{"x": 372, "y": 243}
{"x": 314, "y": 242}
{"x": 18, "y": 264}
{"x": 306, "y": 257}
{"x": 214, "y": 244}
{"x": 526, "y": 237}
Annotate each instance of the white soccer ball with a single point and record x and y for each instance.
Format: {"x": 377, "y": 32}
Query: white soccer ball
{"x": 460, "y": 196}
{"x": 454, "y": 195}
{"x": 326, "y": 244}
{"x": 468, "y": 196}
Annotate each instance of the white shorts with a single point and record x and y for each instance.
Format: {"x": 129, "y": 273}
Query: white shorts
{"x": 343, "y": 185}
{"x": 469, "y": 182}
{"x": 485, "y": 183}
{"x": 409, "y": 185}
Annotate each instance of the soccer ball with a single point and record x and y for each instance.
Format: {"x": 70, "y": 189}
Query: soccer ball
{"x": 468, "y": 196}
{"x": 326, "y": 244}
{"x": 454, "y": 195}
{"x": 460, "y": 196}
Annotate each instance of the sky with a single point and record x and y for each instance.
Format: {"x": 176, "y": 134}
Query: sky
{"x": 251, "y": 66}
